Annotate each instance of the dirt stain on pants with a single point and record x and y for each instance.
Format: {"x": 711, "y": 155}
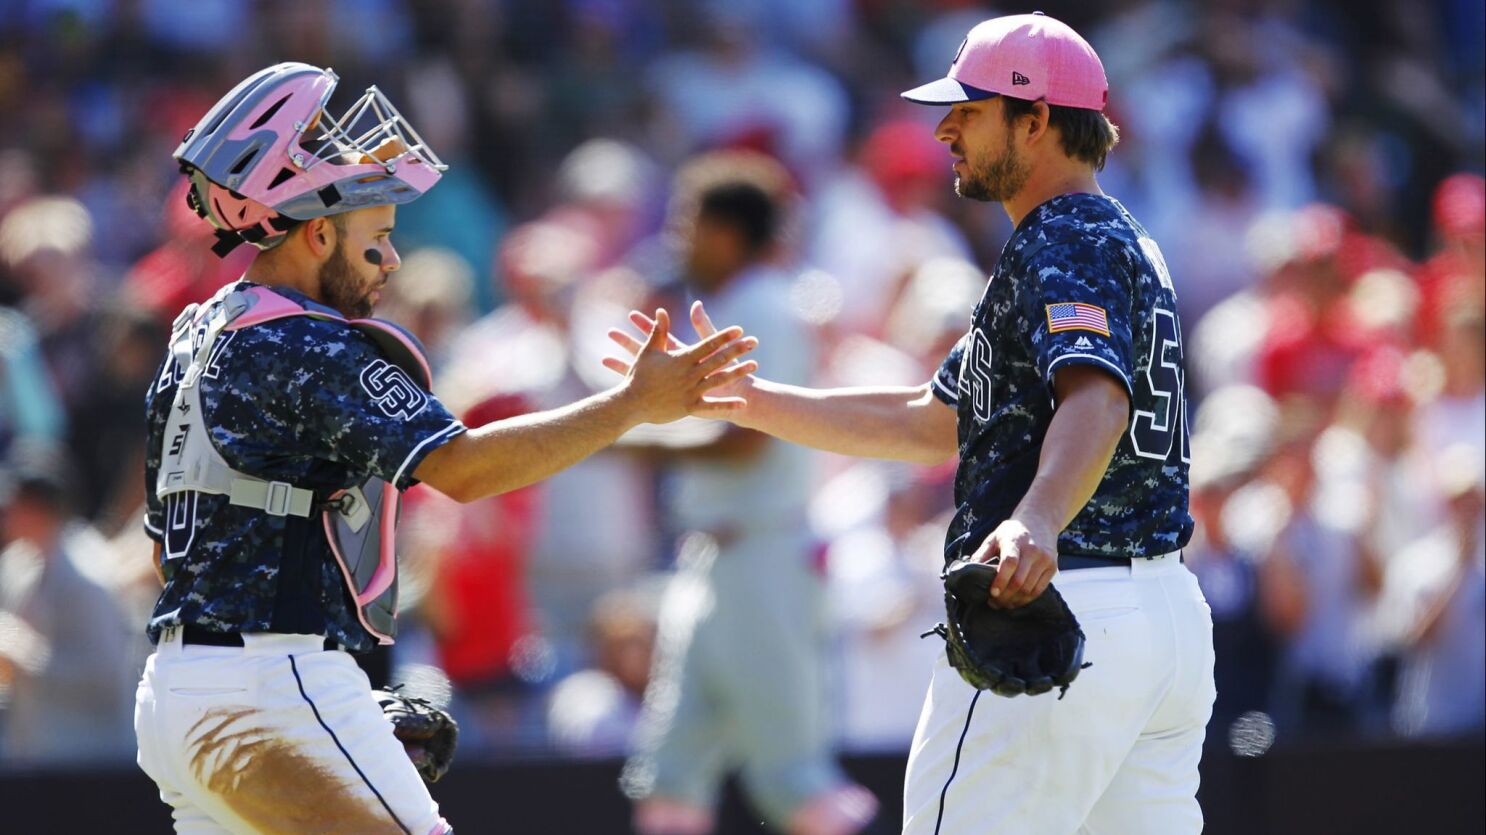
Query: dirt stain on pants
{"x": 273, "y": 787}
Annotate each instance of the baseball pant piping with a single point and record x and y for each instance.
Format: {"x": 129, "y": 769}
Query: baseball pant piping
{"x": 299, "y": 682}
{"x": 969, "y": 714}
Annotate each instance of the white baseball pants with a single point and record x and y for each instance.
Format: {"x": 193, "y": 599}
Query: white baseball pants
{"x": 277, "y": 736}
{"x": 1117, "y": 755}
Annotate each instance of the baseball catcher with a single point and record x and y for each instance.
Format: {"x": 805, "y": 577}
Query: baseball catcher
{"x": 284, "y": 423}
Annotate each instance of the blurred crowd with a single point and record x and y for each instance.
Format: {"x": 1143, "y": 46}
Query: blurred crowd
{"x": 1311, "y": 171}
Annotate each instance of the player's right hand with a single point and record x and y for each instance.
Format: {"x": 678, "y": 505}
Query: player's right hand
{"x": 1026, "y": 554}
{"x": 667, "y": 380}
{"x": 728, "y": 388}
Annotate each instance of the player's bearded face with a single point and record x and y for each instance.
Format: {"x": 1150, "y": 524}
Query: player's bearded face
{"x": 993, "y": 177}
{"x": 346, "y": 289}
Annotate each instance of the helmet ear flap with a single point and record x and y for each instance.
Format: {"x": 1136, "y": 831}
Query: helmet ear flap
{"x": 236, "y": 218}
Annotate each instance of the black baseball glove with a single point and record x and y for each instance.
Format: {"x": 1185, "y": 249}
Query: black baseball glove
{"x": 1030, "y": 649}
{"x": 427, "y": 733}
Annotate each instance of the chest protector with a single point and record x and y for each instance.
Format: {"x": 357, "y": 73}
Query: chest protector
{"x": 360, "y": 521}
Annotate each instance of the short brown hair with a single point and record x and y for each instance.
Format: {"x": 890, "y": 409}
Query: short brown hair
{"x": 1088, "y": 135}
{"x": 746, "y": 190}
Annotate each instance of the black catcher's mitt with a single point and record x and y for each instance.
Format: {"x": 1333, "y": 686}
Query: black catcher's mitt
{"x": 427, "y": 733}
{"x": 1030, "y": 649}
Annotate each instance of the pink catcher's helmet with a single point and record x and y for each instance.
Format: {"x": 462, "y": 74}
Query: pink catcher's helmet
{"x": 268, "y": 155}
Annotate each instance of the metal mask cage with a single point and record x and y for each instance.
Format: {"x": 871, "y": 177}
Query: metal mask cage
{"x": 368, "y": 123}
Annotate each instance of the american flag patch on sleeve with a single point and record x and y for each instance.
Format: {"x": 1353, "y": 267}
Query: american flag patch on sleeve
{"x": 1074, "y": 316}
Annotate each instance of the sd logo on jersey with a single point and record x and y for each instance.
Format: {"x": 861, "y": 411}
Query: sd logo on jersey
{"x": 392, "y": 390}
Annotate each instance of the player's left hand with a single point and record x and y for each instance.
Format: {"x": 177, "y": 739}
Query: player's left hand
{"x": 1027, "y": 557}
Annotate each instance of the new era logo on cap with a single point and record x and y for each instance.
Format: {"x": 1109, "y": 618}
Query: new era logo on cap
{"x": 1017, "y": 79}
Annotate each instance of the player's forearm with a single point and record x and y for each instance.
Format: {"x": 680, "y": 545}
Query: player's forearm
{"x": 1428, "y": 627}
{"x": 695, "y": 439}
{"x": 897, "y": 423}
{"x": 508, "y": 454}
{"x": 1080, "y": 441}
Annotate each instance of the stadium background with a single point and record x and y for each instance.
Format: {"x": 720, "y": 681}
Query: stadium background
{"x": 1311, "y": 170}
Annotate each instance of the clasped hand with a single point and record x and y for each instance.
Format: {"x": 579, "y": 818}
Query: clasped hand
{"x": 726, "y": 386}
{"x": 669, "y": 380}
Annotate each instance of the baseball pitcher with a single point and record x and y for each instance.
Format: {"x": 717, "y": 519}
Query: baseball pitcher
{"x": 1065, "y": 403}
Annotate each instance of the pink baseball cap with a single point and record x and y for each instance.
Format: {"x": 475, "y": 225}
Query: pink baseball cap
{"x": 1024, "y": 56}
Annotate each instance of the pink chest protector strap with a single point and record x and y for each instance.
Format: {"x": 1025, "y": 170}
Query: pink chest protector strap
{"x": 401, "y": 347}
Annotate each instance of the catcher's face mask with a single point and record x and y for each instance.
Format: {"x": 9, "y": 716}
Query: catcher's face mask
{"x": 271, "y": 150}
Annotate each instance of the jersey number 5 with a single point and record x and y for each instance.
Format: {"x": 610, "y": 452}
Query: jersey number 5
{"x": 1156, "y": 433}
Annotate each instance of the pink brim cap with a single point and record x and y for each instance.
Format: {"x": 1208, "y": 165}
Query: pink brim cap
{"x": 1029, "y": 56}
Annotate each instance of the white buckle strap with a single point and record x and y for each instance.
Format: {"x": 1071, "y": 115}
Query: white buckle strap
{"x": 276, "y": 498}
{"x": 185, "y": 318}
{"x": 353, "y": 508}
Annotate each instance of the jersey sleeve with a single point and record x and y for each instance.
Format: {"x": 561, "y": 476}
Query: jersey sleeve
{"x": 1076, "y": 303}
{"x": 154, "y": 400}
{"x": 354, "y": 406}
{"x": 946, "y": 382}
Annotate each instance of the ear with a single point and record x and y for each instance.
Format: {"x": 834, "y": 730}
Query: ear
{"x": 320, "y": 237}
{"x": 1037, "y": 122}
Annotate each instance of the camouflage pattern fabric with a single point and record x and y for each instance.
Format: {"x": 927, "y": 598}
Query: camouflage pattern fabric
{"x": 1079, "y": 281}
{"x": 303, "y": 400}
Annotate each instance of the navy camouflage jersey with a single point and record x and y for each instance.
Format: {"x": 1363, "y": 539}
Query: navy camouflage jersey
{"x": 1079, "y": 282}
{"x": 284, "y": 401}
